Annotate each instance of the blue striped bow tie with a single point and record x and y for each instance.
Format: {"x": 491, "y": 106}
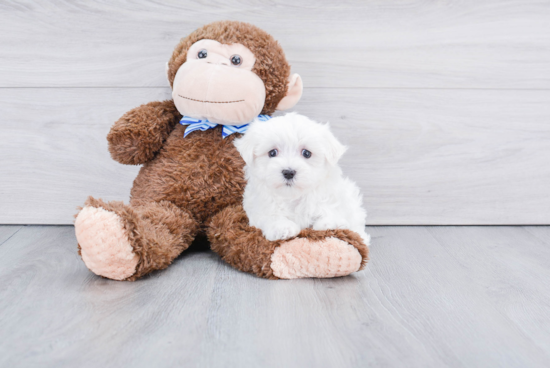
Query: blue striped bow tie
{"x": 199, "y": 124}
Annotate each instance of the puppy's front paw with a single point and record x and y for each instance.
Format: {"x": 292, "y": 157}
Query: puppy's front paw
{"x": 281, "y": 229}
{"x": 330, "y": 223}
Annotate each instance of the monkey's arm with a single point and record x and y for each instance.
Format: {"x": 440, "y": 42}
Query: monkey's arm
{"x": 140, "y": 133}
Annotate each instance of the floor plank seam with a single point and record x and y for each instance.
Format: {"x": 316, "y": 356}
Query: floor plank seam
{"x": 11, "y": 236}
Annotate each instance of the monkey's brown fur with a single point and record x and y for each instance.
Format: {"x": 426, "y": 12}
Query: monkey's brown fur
{"x": 194, "y": 185}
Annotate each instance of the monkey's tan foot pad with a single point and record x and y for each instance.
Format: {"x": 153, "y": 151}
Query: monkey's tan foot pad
{"x": 104, "y": 244}
{"x": 301, "y": 257}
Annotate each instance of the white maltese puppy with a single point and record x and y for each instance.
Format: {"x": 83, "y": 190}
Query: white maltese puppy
{"x": 294, "y": 181}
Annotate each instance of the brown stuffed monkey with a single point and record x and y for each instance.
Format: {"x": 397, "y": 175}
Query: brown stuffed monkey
{"x": 192, "y": 179}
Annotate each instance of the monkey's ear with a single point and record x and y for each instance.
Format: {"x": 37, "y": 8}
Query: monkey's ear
{"x": 293, "y": 94}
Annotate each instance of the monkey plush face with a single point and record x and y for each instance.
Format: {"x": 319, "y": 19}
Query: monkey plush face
{"x": 229, "y": 73}
{"x": 217, "y": 82}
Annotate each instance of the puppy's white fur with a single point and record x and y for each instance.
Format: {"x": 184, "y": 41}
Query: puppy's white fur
{"x": 318, "y": 196}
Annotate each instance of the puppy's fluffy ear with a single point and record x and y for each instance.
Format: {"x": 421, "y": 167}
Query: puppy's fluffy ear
{"x": 334, "y": 149}
{"x": 245, "y": 146}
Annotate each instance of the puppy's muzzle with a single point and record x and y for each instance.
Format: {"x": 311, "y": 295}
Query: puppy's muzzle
{"x": 289, "y": 174}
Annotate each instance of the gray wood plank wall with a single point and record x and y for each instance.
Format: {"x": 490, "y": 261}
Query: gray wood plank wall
{"x": 445, "y": 105}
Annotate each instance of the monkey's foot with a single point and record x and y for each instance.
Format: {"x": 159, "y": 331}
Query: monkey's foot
{"x": 104, "y": 243}
{"x": 302, "y": 257}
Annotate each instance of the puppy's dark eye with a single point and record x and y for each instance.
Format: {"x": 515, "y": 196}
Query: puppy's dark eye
{"x": 202, "y": 54}
{"x": 306, "y": 153}
{"x": 272, "y": 153}
{"x": 236, "y": 60}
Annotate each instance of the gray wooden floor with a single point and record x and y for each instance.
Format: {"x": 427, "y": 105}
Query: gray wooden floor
{"x": 430, "y": 297}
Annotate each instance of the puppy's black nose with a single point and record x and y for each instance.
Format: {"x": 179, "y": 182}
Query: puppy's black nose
{"x": 289, "y": 174}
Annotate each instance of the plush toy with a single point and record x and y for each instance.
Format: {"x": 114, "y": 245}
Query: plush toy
{"x": 223, "y": 76}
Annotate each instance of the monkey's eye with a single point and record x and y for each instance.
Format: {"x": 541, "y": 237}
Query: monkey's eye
{"x": 202, "y": 54}
{"x": 236, "y": 60}
{"x": 306, "y": 153}
{"x": 272, "y": 153}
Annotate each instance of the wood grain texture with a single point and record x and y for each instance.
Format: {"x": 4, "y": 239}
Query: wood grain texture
{"x": 443, "y": 156}
{"x": 397, "y": 44}
{"x": 540, "y": 232}
{"x": 420, "y": 156}
{"x": 430, "y": 297}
